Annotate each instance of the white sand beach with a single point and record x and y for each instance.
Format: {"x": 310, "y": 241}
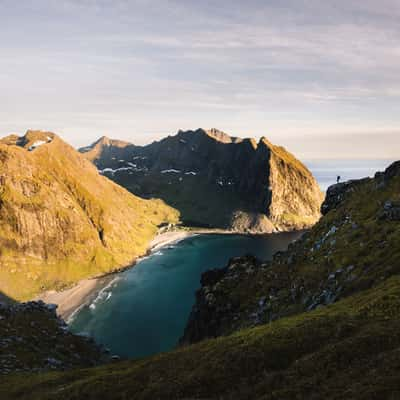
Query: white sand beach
{"x": 70, "y": 300}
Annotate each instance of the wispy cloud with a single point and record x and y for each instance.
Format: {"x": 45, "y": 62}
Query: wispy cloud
{"x": 138, "y": 66}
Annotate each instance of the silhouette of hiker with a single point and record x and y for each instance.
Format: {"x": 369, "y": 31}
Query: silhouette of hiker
{"x": 338, "y": 179}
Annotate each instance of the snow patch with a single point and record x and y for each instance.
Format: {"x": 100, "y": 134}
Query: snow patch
{"x": 38, "y": 143}
{"x": 113, "y": 171}
{"x": 166, "y": 171}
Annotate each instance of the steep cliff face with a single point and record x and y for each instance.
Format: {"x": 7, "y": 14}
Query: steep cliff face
{"x": 354, "y": 247}
{"x": 216, "y": 180}
{"x": 61, "y": 221}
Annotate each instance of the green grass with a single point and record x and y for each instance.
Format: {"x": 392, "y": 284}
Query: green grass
{"x": 347, "y": 350}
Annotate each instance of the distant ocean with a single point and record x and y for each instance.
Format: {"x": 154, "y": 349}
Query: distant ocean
{"x": 326, "y": 171}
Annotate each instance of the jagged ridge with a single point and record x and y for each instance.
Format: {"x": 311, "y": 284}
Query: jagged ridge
{"x": 216, "y": 180}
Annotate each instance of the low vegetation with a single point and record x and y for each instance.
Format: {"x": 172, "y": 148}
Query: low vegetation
{"x": 347, "y": 350}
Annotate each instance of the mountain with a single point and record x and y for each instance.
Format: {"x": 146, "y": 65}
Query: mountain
{"x": 61, "y": 221}
{"x": 319, "y": 321}
{"x": 216, "y": 180}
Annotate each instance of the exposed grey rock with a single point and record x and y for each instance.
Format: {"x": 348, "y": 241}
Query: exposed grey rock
{"x": 391, "y": 211}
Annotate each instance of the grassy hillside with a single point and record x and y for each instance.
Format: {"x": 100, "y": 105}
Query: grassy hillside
{"x": 61, "y": 221}
{"x": 348, "y": 350}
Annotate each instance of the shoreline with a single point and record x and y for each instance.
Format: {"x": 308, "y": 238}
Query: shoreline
{"x": 71, "y": 300}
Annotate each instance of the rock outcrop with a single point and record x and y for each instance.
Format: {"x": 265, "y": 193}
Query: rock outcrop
{"x": 216, "y": 180}
{"x": 61, "y": 221}
{"x": 34, "y": 339}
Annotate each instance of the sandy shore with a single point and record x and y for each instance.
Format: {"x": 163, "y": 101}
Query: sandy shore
{"x": 71, "y": 300}
{"x": 166, "y": 238}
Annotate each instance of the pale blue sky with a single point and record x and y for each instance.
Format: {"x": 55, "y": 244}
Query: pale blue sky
{"x": 320, "y": 77}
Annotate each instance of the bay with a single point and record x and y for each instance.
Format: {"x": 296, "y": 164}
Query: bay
{"x": 146, "y": 309}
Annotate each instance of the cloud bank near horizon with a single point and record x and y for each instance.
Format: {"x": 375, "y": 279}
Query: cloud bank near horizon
{"x": 319, "y": 76}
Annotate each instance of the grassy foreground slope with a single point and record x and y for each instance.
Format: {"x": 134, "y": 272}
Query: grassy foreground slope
{"x": 328, "y": 324}
{"x": 347, "y": 350}
{"x": 61, "y": 221}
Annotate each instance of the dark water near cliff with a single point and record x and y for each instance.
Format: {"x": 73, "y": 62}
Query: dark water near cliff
{"x": 146, "y": 309}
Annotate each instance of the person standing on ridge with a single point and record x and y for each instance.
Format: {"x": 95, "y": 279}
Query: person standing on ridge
{"x": 338, "y": 179}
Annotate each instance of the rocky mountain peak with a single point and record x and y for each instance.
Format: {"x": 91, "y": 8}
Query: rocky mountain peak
{"x": 216, "y": 180}
{"x": 222, "y": 136}
{"x": 104, "y": 140}
{"x": 30, "y": 141}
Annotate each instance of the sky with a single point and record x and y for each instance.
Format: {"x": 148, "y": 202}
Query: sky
{"x": 320, "y": 77}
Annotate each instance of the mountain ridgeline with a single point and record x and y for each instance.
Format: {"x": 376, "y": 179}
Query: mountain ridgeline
{"x": 61, "y": 221}
{"x": 216, "y": 180}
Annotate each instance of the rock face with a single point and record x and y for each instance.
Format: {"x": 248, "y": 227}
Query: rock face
{"x": 61, "y": 221}
{"x": 354, "y": 247}
{"x": 336, "y": 194}
{"x": 216, "y": 180}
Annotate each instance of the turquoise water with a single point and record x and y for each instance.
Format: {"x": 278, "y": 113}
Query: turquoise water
{"x": 145, "y": 311}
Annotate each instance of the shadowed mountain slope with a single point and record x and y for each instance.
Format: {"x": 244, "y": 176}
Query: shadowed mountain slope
{"x": 216, "y": 180}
